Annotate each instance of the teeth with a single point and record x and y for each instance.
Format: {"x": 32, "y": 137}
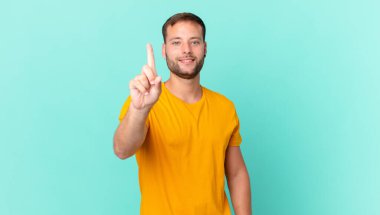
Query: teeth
{"x": 187, "y": 60}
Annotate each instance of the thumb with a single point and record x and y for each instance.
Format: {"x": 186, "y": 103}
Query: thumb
{"x": 157, "y": 80}
{"x": 156, "y": 86}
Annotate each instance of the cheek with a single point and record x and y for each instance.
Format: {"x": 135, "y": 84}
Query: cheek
{"x": 200, "y": 53}
{"x": 172, "y": 54}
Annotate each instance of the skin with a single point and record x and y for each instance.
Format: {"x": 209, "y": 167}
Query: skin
{"x": 184, "y": 40}
{"x": 184, "y": 51}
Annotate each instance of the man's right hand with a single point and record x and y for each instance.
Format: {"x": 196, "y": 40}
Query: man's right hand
{"x": 146, "y": 88}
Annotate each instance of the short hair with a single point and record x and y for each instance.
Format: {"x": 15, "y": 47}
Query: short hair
{"x": 183, "y": 17}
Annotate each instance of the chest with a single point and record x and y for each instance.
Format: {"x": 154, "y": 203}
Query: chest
{"x": 190, "y": 130}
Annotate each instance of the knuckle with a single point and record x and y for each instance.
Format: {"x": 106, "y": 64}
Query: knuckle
{"x": 143, "y": 78}
{"x": 145, "y": 83}
{"x": 133, "y": 82}
{"x": 140, "y": 77}
{"x": 145, "y": 69}
{"x": 139, "y": 86}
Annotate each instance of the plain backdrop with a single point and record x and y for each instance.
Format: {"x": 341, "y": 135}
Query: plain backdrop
{"x": 304, "y": 76}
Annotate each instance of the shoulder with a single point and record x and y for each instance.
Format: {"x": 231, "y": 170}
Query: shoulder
{"x": 218, "y": 98}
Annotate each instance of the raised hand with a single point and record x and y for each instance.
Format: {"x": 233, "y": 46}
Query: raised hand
{"x": 145, "y": 88}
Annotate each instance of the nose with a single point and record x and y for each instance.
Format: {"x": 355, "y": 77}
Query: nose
{"x": 186, "y": 48}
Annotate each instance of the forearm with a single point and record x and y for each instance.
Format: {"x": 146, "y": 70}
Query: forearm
{"x": 130, "y": 134}
{"x": 240, "y": 192}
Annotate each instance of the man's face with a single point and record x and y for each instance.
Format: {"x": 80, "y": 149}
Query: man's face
{"x": 184, "y": 49}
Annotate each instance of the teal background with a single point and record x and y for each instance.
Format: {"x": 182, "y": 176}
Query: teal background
{"x": 304, "y": 76}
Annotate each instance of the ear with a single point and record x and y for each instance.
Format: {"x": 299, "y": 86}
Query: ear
{"x": 205, "y": 48}
{"x": 163, "y": 51}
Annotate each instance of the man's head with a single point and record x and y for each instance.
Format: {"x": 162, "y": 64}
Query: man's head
{"x": 184, "y": 46}
{"x": 183, "y": 17}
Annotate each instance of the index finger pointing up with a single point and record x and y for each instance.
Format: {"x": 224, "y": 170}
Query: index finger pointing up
{"x": 150, "y": 55}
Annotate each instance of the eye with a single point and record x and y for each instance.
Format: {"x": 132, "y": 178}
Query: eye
{"x": 176, "y": 43}
{"x": 195, "y": 42}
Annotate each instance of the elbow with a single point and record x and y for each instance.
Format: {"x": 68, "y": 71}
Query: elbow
{"x": 122, "y": 154}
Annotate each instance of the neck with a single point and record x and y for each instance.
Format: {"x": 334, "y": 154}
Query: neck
{"x": 188, "y": 90}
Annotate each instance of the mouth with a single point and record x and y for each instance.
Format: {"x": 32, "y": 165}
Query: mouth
{"x": 186, "y": 60}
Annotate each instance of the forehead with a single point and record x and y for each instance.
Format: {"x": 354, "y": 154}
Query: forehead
{"x": 184, "y": 29}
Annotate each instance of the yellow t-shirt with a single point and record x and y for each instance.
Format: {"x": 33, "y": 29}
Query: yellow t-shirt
{"x": 181, "y": 162}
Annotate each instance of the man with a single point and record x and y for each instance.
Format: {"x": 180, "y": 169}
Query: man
{"x": 185, "y": 136}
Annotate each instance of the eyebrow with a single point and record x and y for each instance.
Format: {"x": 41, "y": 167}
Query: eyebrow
{"x": 179, "y": 38}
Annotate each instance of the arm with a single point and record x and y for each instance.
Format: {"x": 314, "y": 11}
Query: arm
{"x": 238, "y": 181}
{"x": 130, "y": 133}
{"x": 145, "y": 90}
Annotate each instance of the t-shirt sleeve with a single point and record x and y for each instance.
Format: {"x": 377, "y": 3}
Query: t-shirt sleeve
{"x": 124, "y": 111}
{"x": 235, "y": 139}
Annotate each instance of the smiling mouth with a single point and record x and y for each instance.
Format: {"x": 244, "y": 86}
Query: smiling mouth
{"x": 186, "y": 60}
